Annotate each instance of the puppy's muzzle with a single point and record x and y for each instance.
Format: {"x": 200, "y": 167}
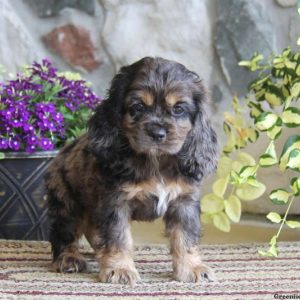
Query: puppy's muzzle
{"x": 156, "y": 132}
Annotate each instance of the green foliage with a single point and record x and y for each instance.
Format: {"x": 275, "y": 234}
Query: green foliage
{"x": 273, "y": 106}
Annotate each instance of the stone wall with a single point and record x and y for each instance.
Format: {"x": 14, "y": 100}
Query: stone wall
{"x": 97, "y": 37}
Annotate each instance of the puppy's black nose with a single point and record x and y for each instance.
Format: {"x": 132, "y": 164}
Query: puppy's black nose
{"x": 156, "y": 132}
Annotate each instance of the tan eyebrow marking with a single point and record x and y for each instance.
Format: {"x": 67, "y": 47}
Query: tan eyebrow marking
{"x": 173, "y": 98}
{"x": 146, "y": 97}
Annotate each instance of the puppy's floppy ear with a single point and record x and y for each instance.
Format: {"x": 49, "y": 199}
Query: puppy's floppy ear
{"x": 198, "y": 155}
{"x": 104, "y": 125}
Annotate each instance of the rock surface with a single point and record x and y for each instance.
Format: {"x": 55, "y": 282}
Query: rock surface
{"x": 294, "y": 30}
{"x": 74, "y": 45}
{"x": 49, "y": 8}
{"x": 243, "y": 28}
{"x": 286, "y": 3}
{"x": 17, "y": 47}
{"x": 172, "y": 29}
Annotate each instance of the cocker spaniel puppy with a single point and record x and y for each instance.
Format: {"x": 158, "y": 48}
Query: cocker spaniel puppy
{"x": 148, "y": 146}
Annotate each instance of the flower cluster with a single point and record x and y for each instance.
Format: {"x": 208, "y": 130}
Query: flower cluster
{"x": 42, "y": 108}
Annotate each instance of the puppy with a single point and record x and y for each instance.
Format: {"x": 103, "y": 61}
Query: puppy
{"x": 148, "y": 146}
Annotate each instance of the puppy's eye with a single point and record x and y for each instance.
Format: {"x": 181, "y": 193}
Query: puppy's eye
{"x": 138, "y": 107}
{"x": 178, "y": 110}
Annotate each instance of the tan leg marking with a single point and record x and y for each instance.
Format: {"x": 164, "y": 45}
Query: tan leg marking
{"x": 187, "y": 263}
{"x": 116, "y": 265}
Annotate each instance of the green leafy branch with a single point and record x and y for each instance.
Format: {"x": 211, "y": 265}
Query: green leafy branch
{"x": 271, "y": 104}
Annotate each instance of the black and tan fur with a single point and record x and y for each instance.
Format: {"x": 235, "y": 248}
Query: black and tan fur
{"x": 148, "y": 146}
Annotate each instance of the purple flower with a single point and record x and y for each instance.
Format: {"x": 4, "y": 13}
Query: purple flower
{"x": 46, "y": 62}
{"x": 14, "y": 145}
{"x": 58, "y": 117}
{"x": 7, "y": 114}
{"x": 16, "y": 123}
{"x": 3, "y": 144}
{"x": 50, "y": 107}
{"x": 40, "y": 109}
{"x": 70, "y": 106}
{"x": 9, "y": 91}
{"x": 32, "y": 140}
{"x": 46, "y": 144}
{"x": 30, "y": 148}
{"x": 52, "y": 127}
{"x": 28, "y": 127}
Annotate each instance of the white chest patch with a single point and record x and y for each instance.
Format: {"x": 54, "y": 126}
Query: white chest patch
{"x": 165, "y": 194}
{"x": 164, "y": 191}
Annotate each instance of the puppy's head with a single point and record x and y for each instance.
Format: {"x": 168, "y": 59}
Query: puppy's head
{"x": 159, "y": 106}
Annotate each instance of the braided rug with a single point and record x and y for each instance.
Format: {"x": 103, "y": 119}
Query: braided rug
{"x": 25, "y": 273}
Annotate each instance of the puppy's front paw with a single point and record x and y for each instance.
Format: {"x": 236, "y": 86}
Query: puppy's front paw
{"x": 70, "y": 263}
{"x": 119, "y": 275}
{"x": 193, "y": 273}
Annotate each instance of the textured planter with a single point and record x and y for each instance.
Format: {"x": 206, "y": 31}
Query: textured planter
{"x": 23, "y": 211}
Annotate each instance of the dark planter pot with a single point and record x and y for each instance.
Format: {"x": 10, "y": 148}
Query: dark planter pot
{"x": 23, "y": 210}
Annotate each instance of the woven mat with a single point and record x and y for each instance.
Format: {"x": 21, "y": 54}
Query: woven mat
{"x": 25, "y": 274}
